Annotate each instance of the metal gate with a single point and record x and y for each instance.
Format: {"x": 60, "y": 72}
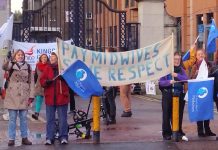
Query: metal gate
{"x": 91, "y": 24}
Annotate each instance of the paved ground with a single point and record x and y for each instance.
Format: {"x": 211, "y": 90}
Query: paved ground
{"x": 141, "y": 131}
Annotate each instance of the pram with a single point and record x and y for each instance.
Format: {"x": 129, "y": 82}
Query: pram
{"x": 82, "y": 124}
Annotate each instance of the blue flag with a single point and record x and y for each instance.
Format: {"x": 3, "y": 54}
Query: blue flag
{"x": 81, "y": 80}
{"x": 200, "y": 99}
{"x": 211, "y": 40}
{"x": 186, "y": 56}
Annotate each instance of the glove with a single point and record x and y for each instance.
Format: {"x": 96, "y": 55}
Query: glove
{"x": 30, "y": 100}
{"x": 9, "y": 55}
{"x": 48, "y": 82}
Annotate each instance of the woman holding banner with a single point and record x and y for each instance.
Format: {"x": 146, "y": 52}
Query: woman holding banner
{"x": 168, "y": 85}
{"x": 39, "y": 94}
{"x": 19, "y": 95}
{"x": 56, "y": 98}
{"x": 202, "y": 126}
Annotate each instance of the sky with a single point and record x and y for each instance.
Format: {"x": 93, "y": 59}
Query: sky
{"x": 16, "y": 5}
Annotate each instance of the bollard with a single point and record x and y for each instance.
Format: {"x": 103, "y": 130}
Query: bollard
{"x": 175, "y": 118}
{"x": 96, "y": 119}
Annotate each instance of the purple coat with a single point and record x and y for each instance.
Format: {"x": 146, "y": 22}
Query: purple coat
{"x": 165, "y": 81}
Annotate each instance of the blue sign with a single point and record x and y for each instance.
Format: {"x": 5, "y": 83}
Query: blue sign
{"x": 200, "y": 100}
{"x": 81, "y": 80}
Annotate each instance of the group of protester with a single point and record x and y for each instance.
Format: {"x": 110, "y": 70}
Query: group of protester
{"x": 25, "y": 85}
{"x": 22, "y": 90}
{"x": 184, "y": 70}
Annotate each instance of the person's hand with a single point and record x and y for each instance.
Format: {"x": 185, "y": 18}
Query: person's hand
{"x": 174, "y": 74}
{"x": 172, "y": 81}
{"x": 48, "y": 82}
{"x": 30, "y": 100}
{"x": 194, "y": 46}
{"x": 9, "y": 55}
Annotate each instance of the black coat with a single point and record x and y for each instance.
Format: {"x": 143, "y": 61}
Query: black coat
{"x": 214, "y": 73}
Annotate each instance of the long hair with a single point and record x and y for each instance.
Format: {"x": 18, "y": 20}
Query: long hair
{"x": 40, "y": 58}
{"x": 179, "y": 54}
{"x": 16, "y": 52}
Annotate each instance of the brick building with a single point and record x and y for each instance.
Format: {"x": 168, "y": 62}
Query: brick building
{"x": 195, "y": 18}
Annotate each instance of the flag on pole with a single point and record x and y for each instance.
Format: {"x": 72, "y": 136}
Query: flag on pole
{"x": 186, "y": 56}
{"x": 211, "y": 41}
{"x": 200, "y": 99}
{"x": 81, "y": 80}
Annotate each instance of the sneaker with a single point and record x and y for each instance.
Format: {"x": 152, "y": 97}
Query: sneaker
{"x": 184, "y": 138}
{"x": 126, "y": 114}
{"x": 64, "y": 141}
{"x": 11, "y": 143}
{"x": 6, "y": 116}
{"x": 48, "y": 142}
{"x": 25, "y": 141}
{"x": 167, "y": 138}
{"x": 35, "y": 116}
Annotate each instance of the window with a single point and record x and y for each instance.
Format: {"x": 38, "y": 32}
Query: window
{"x": 115, "y": 4}
{"x": 111, "y": 36}
{"x": 132, "y": 3}
{"x": 126, "y": 3}
{"x": 110, "y": 3}
{"x": 200, "y": 30}
{"x": 115, "y": 36}
{"x": 209, "y": 18}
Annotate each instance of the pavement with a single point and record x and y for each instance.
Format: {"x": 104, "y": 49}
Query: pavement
{"x": 141, "y": 131}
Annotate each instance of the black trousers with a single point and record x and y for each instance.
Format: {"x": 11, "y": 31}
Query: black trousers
{"x": 167, "y": 97}
{"x": 167, "y": 112}
{"x": 72, "y": 100}
{"x": 108, "y": 102}
{"x": 203, "y": 126}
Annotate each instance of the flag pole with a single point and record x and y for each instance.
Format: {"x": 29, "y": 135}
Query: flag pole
{"x": 172, "y": 53}
{"x": 59, "y": 63}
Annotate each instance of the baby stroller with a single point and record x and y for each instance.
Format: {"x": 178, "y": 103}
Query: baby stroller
{"x": 81, "y": 125}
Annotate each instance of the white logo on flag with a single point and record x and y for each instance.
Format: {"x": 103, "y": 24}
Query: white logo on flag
{"x": 202, "y": 92}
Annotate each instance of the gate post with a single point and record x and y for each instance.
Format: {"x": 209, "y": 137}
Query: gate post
{"x": 96, "y": 119}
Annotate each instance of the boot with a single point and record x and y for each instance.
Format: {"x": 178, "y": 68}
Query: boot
{"x": 208, "y": 132}
{"x": 200, "y": 129}
{"x": 11, "y": 143}
{"x": 112, "y": 120}
{"x": 25, "y": 141}
{"x": 35, "y": 116}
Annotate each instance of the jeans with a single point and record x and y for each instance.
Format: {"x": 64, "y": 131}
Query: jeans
{"x": 12, "y": 123}
{"x": 62, "y": 122}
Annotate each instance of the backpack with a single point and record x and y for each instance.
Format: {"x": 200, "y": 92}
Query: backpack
{"x": 10, "y": 72}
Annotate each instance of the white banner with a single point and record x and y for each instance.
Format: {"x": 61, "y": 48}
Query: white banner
{"x": 5, "y": 36}
{"x": 34, "y": 50}
{"x": 121, "y": 68}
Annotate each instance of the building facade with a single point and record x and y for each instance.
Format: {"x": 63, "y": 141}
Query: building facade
{"x": 195, "y": 18}
{"x": 5, "y": 11}
{"x": 155, "y": 23}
